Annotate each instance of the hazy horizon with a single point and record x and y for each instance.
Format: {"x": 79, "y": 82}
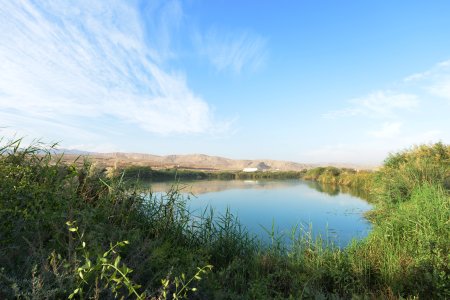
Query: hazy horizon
{"x": 308, "y": 82}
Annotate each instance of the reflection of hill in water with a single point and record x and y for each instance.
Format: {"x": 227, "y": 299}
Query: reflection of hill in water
{"x": 209, "y": 186}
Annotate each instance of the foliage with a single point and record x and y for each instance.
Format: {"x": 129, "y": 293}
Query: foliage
{"x": 182, "y": 285}
{"x": 147, "y": 173}
{"x": 38, "y": 194}
{"x": 405, "y": 255}
{"x": 313, "y": 174}
{"x": 104, "y": 270}
{"x": 404, "y": 171}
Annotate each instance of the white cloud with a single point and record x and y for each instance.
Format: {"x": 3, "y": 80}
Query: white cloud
{"x": 438, "y": 69}
{"x": 441, "y": 88}
{"x": 372, "y": 152}
{"x": 365, "y": 154}
{"x": 435, "y": 81}
{"x": 378, "y": 104}
{"x": 233, "y": 51}
{"x": 416, "y": 76}
{"x": 163, "y": 19}
{"x": 396, "y": 112}
{"x": 388, "y": 130}
{"x": 62, "y": 61}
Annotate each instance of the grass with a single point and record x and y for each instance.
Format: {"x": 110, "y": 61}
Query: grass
{"x": 164, "y": 252}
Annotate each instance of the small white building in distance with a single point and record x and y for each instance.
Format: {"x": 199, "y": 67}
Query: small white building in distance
{"x": 259, "y": 167}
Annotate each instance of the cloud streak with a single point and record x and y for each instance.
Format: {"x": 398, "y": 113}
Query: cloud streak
{"x": 63, "y": 62}
{"x": 378, "y": 104}
{"x": 395, "y": 114}
{"x": 234, "y": 52}
{"x": 435, "y": 81}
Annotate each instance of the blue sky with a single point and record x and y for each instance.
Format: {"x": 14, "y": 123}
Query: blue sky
{"x": 308, "y": 81}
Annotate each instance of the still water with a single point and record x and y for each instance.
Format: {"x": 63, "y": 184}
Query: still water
{"x": 333, "y": 213}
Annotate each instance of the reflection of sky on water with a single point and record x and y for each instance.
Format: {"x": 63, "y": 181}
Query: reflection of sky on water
{"x": 289, "y": 203}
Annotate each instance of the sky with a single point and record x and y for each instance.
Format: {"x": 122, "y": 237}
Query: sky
{"x": 307, "y": 81}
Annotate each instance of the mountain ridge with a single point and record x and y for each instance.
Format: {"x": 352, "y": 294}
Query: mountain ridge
{"x": 197, "y": 161}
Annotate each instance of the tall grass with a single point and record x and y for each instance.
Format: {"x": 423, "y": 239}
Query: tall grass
{"x": 406, "y": 254}
{"x": 410, "y": 246}
{"x": 404, "y": 171}
{"x": 40, "y": 259}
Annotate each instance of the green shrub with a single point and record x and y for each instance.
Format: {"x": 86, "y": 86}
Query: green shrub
{"x": 406, "y": 170}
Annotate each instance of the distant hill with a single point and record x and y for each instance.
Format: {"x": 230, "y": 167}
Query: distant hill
{"x": 72, "y": 151}
{"x": 195, "y": 161}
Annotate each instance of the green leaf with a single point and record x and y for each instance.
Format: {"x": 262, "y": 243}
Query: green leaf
{"x": 74, "y": 293}
{"x": 117, "y": 261}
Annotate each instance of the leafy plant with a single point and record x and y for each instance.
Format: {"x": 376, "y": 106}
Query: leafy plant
{"x": 105, "y": 269}
{"x": 181, "y": 285}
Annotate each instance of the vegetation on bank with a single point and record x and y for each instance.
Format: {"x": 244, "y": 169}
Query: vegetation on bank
{"x": 363, "y": 179}
{"x": 147, "y": 173}
{"x": 327, "y": 175}
{"x": 75, "y": 232}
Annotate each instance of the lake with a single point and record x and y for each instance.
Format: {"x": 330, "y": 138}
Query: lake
{"x": 333, "y": 213}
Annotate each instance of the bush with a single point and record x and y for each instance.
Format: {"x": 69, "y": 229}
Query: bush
{"x": 404, "y": 171}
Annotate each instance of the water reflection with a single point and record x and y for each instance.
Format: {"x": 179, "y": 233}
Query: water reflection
{"x": 329, "y": 189}
{"x": 210, "y": 186}
{"x": 333, "y": 211}
{"x": 334, "y": 190}
{"x": 199, "y": 187}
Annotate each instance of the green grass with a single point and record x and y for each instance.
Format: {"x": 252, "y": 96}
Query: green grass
{"x": 162, "y": 249}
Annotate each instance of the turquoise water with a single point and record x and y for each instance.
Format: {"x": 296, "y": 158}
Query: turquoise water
{"x": 332, "y": 213}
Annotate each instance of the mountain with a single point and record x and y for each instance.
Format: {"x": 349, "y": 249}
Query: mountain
{"x": 190, "y": 161}
{"x": 193, "y": 161}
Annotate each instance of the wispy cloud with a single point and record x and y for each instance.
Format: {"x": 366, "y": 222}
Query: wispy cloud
{"x": 373, "y": 154}
{"x": 163, "y": 21}
{"x": 388, "y": 130}
{"x": 441, "y": 88}
{"x": 63, "y": 61}
{"x": 234, "y": 51}
{"x": 372, "y": 151}
{"x": 395, "y": 114}
{"x": 435, "y": 81}
{"x": 377, "y": 104}
{"x": 428, "y": 85}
